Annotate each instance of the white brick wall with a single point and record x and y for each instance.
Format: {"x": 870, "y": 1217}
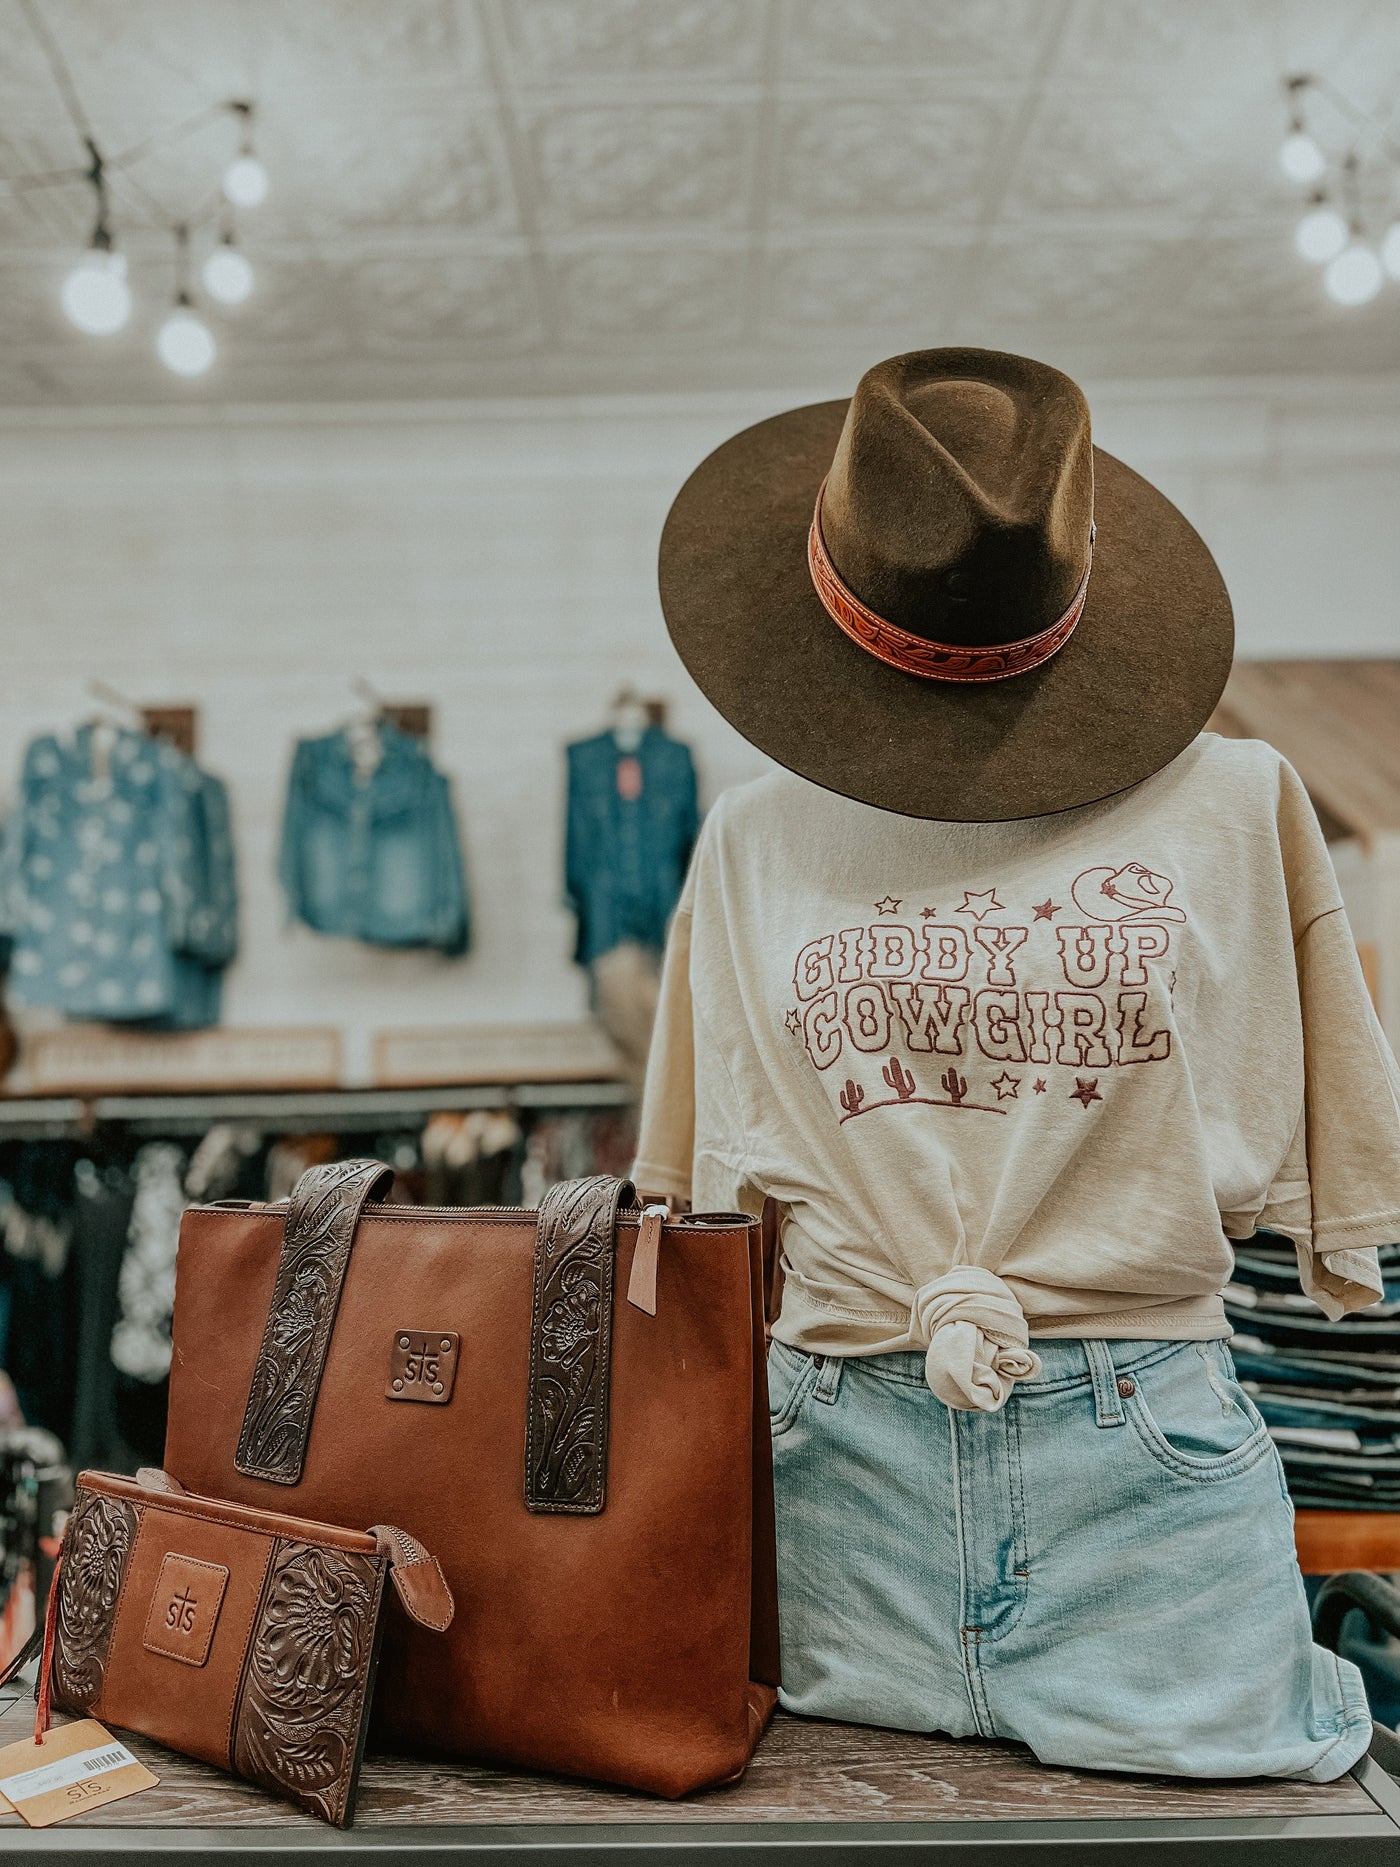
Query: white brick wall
{"x": 499, "y": 560}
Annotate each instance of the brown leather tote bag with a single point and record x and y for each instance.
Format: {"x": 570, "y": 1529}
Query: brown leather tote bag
{"x": 568, "y": 1407}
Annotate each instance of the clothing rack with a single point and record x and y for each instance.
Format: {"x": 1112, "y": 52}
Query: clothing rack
{"x": 335, "y": 1111}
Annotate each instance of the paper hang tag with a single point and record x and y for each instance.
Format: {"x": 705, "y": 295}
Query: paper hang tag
{"x": 73, "y": 1768}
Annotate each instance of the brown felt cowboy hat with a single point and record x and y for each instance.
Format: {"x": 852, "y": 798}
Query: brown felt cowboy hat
{"x": 940, "y": 598}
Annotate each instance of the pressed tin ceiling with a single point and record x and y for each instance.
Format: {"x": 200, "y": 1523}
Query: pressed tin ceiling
{"x": 492, "y": 197}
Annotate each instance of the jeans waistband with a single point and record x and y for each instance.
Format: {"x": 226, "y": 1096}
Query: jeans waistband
{"x": 1066, "y": 1362}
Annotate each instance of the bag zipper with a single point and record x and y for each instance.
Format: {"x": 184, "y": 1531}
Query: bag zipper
{"x": 378, "y": 1208}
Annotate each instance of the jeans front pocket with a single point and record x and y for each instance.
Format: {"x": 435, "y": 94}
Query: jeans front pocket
{"x": 1192, "y": 1416}
{"x": 791, "y": 1377}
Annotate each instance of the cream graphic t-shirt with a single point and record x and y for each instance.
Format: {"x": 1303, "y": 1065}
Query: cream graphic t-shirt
{"x": 1019, "y": 1079}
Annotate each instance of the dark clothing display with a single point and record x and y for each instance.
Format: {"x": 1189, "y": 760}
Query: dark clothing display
{"x": 1327, "y": 1389}
{"x": 9, "y": 1043}
{"x": 632, "y": 822}
{"x": 472, "y": 1159}
{"x": 102, "y": 1216}
{"x": 117, "y": 882}
{"x": 1375, "y": 1653}
{"x": 38, "y": 1347}
{"x": 371, "y": 852}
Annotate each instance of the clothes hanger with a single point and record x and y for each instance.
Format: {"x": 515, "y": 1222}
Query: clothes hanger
{"x": 412, "y": 718}
{"x": 628, "y": 719}
{"x": 116, "y": 714}
{"x": 114, "y": 708}
{"x": 362, "y": 730}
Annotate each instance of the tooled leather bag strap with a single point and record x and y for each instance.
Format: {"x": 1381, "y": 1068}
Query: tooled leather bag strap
{"x": 566, "y": 1435}
{"x": 321, "y": 1219}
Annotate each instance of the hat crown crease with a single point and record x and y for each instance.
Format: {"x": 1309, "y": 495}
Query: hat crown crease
{"x": 974, "y": 530}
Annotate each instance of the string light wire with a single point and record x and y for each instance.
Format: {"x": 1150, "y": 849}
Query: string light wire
{"x": 1332, "y": 232}
{"x": 95, "y": 296}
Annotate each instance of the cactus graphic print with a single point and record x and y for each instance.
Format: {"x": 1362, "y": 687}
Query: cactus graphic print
{"x": 1078, "y": 1054}
{"x": 1010, "y": 986}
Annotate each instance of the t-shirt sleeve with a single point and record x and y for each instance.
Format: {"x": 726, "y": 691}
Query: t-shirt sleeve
{"x": 1337, "y": 1194}
{"x": 666, "y": 1137}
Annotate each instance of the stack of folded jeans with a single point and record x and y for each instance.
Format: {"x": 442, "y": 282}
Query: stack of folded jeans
{"x": 1330, "y": 1391}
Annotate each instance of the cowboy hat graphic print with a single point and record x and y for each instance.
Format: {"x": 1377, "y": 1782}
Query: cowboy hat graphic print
{"x": 1131, "y": 893}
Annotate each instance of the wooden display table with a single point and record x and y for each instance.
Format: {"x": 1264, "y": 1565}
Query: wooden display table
{"x": 816, "y": 1793}
{"x": 1330, "y": 1541}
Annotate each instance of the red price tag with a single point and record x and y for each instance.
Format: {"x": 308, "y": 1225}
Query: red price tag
{"x": 629, "y": 779}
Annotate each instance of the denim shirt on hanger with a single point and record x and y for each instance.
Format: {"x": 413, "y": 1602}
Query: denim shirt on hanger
{"x": 117, "y": 883}
{"x": 374, "y": 857}
{"x": 626, "y": 858}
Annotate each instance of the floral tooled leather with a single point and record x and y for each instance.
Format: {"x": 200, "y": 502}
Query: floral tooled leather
{"x": 96, "y": 1548}
{"x": 299, "y": 1723}
{"x": 320, "y": 1231}
{"x": 566, "y": 1443}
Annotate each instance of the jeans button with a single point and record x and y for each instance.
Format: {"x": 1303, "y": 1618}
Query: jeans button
{"x": 1127, "y": 1386}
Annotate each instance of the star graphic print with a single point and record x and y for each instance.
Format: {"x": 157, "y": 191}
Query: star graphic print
{"x": 1027, "y": 988}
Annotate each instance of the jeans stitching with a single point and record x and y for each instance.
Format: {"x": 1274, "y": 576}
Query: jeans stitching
{"x": 828, "y": 1390}
{"x": 1019, "y": 1538}
{"x": 782, "y": 1420}
{"x": 869, "y": 1365}
{"x": 1068, "y": 1382}
{"x": 1103, "y": 1379}
{"x": 1350, "y": 1721}
{"x": 967, "y": 1639}
{"x": 1202, "y": 1471}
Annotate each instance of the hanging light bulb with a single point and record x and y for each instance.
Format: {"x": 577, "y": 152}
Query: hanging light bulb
{"x": 1354, "y": 276}
{"x": 1390, "y": 249}
{"x": 95, "y": 295}
{"x": 1299, "y": 156}
{"x": 184, "y": 342}
{"x": 245, "y": 180}
{"x": 1321, "y": 233}
{"x": 227, "y": 274}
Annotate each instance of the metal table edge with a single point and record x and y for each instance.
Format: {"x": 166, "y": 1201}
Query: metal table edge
{"x": 1242, "y": 1841}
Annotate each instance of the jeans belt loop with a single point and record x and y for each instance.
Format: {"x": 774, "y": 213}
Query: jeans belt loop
{"x": 1108, "y": 1404}
{"x": 828, "y": 1379}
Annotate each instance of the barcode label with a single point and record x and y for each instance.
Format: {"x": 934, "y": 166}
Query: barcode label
{"x": 111, "y": 1759}
{"x": 65, "y": 1770}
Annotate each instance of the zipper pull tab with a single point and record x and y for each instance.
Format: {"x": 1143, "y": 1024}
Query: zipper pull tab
{"x": 421, "y": 1584}
{"x": 641, "y": 1285}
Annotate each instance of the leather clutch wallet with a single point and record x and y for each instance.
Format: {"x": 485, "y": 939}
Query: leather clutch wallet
{"x": 239, "y": 1636}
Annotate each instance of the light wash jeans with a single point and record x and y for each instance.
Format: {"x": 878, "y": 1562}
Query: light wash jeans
{"x": 1103, "y": 1569}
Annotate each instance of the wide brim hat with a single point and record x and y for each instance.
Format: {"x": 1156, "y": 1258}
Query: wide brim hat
{"x": 939, "y": 598}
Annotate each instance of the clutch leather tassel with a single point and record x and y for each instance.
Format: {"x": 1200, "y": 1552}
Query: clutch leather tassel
{"x": 242, "y": 1637}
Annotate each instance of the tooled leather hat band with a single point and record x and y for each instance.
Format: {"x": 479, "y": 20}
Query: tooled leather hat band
{"x": 914, "y": 654}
